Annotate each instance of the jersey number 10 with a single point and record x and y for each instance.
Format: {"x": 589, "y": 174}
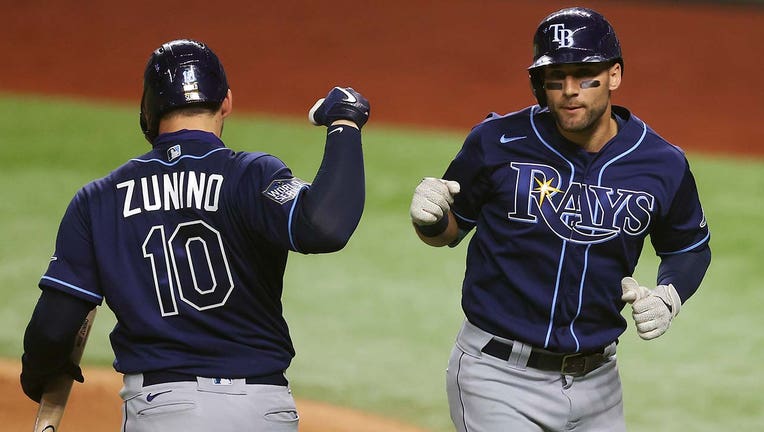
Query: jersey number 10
{"x": 192, "y": 262}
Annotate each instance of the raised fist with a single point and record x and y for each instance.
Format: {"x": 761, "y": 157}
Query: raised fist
{"x": 432, "y": 200}
{"x": 340, "y": 104}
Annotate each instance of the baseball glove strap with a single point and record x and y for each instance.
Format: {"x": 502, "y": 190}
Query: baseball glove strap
{"x": 577, "y": 364}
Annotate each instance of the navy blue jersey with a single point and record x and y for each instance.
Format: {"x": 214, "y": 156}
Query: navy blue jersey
{"x": 556, "y": 227}
{"x": 188, "y": 245}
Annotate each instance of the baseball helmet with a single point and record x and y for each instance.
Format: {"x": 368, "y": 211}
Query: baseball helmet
{"x": 571, "y": 35}
{"x": 180, "y": 73}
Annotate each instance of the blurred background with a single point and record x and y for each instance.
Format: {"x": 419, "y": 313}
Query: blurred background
{"x": 440, "y": 64}
{"x": 374, "y": 324}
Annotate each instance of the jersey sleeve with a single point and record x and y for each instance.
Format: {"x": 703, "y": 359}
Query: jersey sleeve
{"x": 467, "y": 169}
{"x": 329, "y": 211}
{"x": 73, "y": 268}
{"x": 274, "y": 193}
{"x": 683, "y": 228}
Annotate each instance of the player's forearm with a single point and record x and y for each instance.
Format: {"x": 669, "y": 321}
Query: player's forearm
{"x": 329, "y": 211}
{"x": 51, "y": 331}
{"x": 685, "y": 271}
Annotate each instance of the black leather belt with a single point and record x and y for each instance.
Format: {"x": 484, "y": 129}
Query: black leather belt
{"x": 162, "y": 377}
{"x": 568, "y": 364}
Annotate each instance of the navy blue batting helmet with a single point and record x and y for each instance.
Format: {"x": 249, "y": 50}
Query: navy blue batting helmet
{"x": 572, "y": 35}
{"x": 180, "y": 73}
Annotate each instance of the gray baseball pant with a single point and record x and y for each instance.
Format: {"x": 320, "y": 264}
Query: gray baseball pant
{"x": 219, "y": 405}
{"x": 487, "y": 394}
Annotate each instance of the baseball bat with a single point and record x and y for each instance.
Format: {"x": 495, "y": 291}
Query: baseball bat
{"x": 53, "y": 401}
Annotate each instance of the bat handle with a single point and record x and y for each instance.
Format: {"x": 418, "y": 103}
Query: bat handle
{"x": 52, "y": 404}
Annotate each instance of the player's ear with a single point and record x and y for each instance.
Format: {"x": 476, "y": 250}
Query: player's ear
{"x": 614, "y": 76}
{"x": 227, "y": 106}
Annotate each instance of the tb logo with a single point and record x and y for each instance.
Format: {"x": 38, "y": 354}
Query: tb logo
{"x": 562, "y": 35}
{"x": 189, "y": 76}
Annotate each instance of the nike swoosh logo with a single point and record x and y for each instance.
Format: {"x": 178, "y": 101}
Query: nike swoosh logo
{"x": 339, "y": 129}
{"x": 150, "y": 397}
{"x": 505, "y": 139}
{"x": 350, "y": 98}
{"x": 54, "y": 258}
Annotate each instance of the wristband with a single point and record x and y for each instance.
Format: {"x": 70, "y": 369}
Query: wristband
{"x": 435, "y": 229}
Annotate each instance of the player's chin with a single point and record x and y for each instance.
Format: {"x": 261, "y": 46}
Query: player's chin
{"x": 575, "y": 121}
{"x": 574, "y": 126}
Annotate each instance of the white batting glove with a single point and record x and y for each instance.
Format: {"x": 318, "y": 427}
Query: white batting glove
{"x": 432, "y": 200}
{"x": 652, "y": 310}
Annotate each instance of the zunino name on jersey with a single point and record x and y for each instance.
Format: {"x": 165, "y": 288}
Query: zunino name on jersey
{"x": 581, "y": 213}
{"x": 176, "y": 190}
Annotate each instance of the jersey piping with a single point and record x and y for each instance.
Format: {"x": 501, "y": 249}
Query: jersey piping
{"x": 74, "y": 287}
{"x": 688, "y": 248}
{"x": 291, "y": 217}
{"x": 180, "y": 158}
{"x": 565, "y": 241}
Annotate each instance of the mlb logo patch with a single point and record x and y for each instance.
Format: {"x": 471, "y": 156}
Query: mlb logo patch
{"x": 173, "y": 153}
{"x": 284, "y": 190}
{"x": 222, "y": 381}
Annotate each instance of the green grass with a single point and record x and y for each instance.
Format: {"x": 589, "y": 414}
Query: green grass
{"x": 373, "y": 324}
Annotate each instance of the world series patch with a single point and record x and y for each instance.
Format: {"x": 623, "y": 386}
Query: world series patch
{"x": 284, "y": 190}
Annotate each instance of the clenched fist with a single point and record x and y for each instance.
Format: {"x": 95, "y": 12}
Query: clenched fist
{"x": 652, "y": 309}
{"x": 340, "y": 104}
{"x": 432, "y": 200}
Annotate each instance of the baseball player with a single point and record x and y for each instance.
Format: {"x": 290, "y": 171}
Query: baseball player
{"x": 187, "y": 244}
{"x": 561, "y": 196}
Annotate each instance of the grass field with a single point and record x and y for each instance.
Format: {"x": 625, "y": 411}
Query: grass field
{"x": 373, "y": 324}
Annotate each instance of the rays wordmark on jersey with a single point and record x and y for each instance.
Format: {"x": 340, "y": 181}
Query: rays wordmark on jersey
{"x": 580, "y": 213}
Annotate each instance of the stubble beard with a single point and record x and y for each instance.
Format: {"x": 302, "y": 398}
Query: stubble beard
{"x": 591, "y": 117}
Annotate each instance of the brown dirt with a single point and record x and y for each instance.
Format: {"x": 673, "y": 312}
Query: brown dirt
{"x": 442, "y": 65}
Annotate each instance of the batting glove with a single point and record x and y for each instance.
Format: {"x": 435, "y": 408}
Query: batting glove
{"x": 652, "y": 310}
{"x": 33, "y": 380}
{"x": 340, "y": 104}
{"x": 432, "y": 200}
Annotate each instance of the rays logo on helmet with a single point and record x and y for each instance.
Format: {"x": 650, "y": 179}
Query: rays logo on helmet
{"x": 190, "y": 85}
{"x": 562, "y": 35}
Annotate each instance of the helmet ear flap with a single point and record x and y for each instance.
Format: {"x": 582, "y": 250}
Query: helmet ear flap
{"x": 145, "y": 128}
{"x": 145, "y": 123}
{"x": 537, "y": 85}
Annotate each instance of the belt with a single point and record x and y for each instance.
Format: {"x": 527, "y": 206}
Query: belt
{"x": 568, "y": 364}
{"x": 162, "y": 377}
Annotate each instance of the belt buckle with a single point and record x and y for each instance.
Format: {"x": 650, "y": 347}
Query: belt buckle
{"x": 574, "y": 364}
